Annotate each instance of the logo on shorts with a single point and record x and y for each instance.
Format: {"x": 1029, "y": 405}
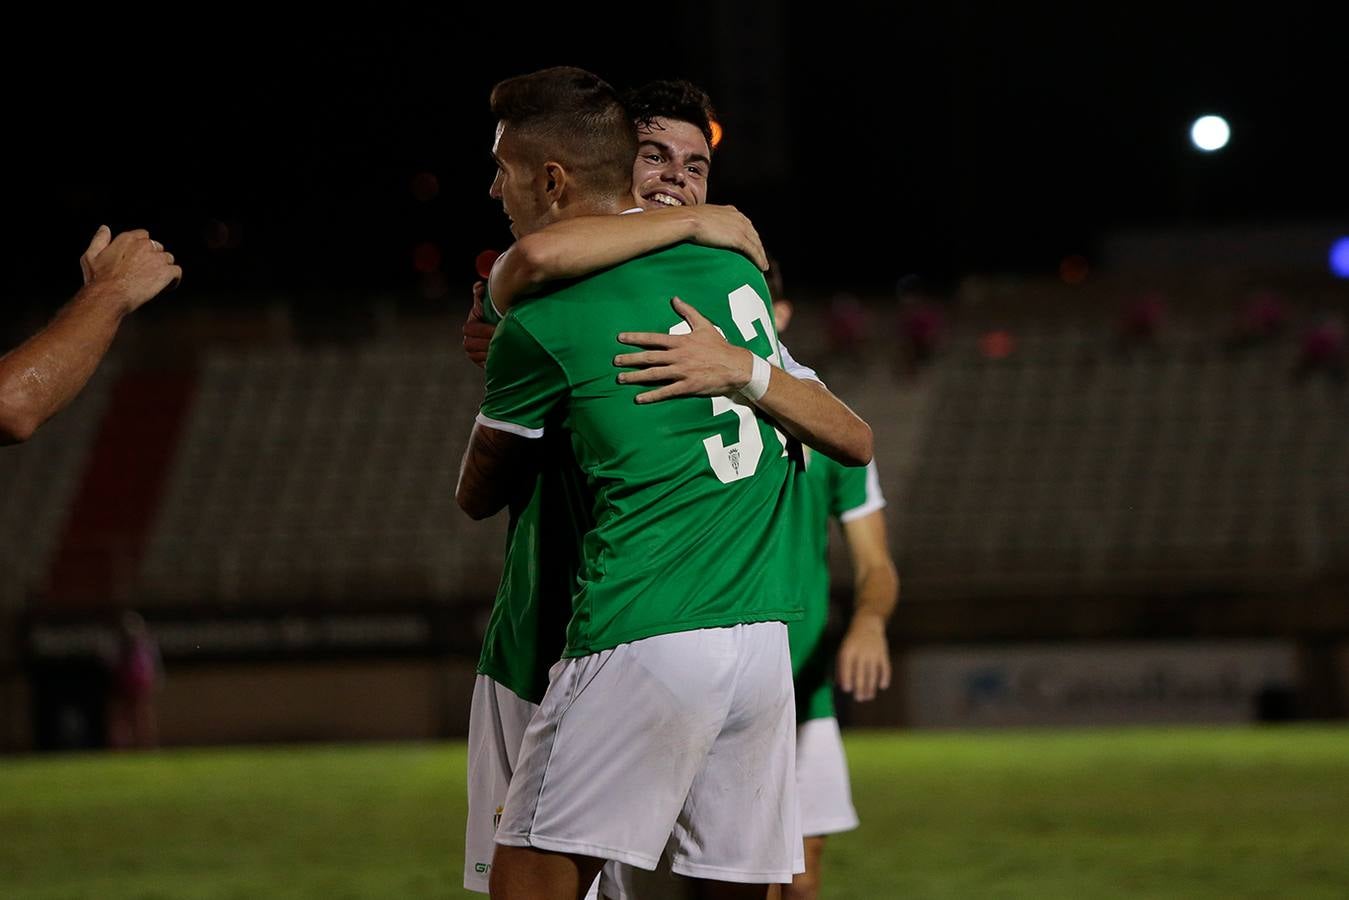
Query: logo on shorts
{"x": 496, "y": 820}
{"x": 482, "y": 868}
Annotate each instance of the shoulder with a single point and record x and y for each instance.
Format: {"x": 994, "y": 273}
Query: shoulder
{"x": 712, "y": 256}
{"x": 710, "y": 265}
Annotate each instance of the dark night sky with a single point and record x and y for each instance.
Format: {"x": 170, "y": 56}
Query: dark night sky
{"x": 973, "y": 137}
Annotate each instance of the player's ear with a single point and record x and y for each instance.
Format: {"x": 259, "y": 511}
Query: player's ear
{"x": 555, "y": 180}
{"x": 782, "y": 314}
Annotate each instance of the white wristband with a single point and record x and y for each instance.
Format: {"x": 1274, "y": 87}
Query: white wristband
{"x": 757, "y": 385}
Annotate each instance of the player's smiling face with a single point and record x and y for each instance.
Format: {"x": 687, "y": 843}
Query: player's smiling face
{"x": 517, "y": 185}
{"x": 672, "y": 165}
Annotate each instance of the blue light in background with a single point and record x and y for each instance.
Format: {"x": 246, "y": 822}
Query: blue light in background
{"x": 1339, "y": 258}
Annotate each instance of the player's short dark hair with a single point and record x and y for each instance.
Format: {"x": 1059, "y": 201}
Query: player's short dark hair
{"x": 574, "y": 117}
{"x": 671, "y": 99}
{"x": 773, "y": 277}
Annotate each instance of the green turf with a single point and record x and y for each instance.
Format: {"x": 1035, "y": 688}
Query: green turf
{"x": 1126, "y": 813}
{"x": 330, "y": 822}
{"x": 1092, "y": 814}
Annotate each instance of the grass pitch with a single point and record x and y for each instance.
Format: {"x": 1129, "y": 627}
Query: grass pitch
{"x": 1253, "y": 812}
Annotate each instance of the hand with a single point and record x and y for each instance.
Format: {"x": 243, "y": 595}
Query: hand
{"x": 477, "y": 331}
{"x": 864, "y": 658}
{"x": 728, "y": 228}
{"x": 698, "y": 364}
{"x": 137, "y": 267}
{"x": 96, "y": 246}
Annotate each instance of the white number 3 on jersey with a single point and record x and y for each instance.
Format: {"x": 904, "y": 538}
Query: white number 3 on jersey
{"x": 732, "y": 462}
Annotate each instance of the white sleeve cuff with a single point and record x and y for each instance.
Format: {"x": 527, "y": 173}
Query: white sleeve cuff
{"x": 508, "y": 427}
{"x": 865, "y": 509}
{"x": 875, "y": 499}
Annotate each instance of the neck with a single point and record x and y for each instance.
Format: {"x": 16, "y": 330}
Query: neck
{"x": 597, "y": 206}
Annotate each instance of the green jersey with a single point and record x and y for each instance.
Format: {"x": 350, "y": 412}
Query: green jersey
{"x": 691, "y": 514}
{"x": 528, "y": 625}
{"x": 833, "y": 491}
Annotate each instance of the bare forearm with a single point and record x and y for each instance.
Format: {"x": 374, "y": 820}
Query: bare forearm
{"x": 877, "y": 593}
{"x": 810, "y": 413}
{"x": 702, "y": 363}
{"x": 575, "y": 247}
{"x": 875, "y": 577}
{"x": 479, "y": 494}
{"x": 585, "y": 244}
{"x": 45, "y": 373}
{"x": 495, "y": 466}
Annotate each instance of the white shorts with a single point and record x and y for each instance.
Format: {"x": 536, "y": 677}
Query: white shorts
{"x": 497, "y": 720}
{"x": 826, "y": 808}
{"x": 822, "y": 779}
{"x": 682, "y": 738}
{"x": 496, "y": 726}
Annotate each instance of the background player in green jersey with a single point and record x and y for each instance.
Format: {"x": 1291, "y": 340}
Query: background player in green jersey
{"x": 676, "y": 644}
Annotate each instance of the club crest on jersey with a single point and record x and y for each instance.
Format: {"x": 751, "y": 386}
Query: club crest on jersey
{"x": 734, "y": 455}
{"x": 496, "y": 819}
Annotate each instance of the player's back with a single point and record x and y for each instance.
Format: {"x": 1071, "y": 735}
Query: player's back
{"x": 691, "y": 497}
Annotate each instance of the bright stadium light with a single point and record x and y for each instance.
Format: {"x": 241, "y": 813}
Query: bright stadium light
{"x": 1339, "y": 257}
{"x": 1210, "y": 133}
